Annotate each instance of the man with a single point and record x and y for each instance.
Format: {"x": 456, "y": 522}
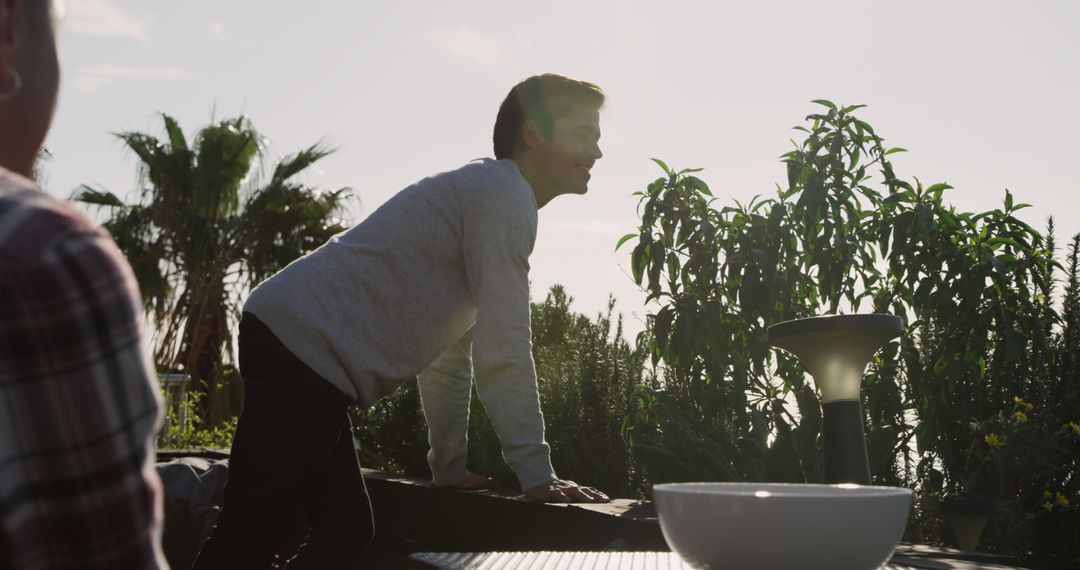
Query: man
{"x": 79, "y": 401}
{"x": 440, "y": 269}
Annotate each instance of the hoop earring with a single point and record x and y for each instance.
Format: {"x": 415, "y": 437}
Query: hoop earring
{"x": 16, "y": 85}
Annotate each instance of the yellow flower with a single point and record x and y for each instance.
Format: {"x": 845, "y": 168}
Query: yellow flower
{"x": 1048, "y": 506}
{"x": 1075, "y": 427}
{"x": 994, "y": 440}
{"x": 1047, "y": 494}
{"x": 1062, "y": 500}
{"x": 1020, "y": 402}
{"x": 1020, "y": 416}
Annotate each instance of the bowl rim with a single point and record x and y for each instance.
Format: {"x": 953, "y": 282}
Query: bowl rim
{"x": 800, "y": 490}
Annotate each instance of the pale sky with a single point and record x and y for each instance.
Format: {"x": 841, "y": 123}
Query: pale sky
{"x": 983, "y": 94}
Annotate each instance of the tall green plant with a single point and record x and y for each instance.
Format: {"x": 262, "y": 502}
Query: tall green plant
{"x": 1068, "y": 363}
{"x": 732, "y": 409}
{"x": 1050, "y": 533}
{"x": 845, "y": 233}
{"x": 205, "y": 227}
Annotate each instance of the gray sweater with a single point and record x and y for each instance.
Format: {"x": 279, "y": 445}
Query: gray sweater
{"x": 379, "y": 303}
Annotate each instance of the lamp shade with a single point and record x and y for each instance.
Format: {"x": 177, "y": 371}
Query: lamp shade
{"x": 836, "y": 349}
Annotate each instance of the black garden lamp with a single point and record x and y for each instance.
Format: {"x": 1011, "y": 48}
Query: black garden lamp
{"x": 835, "y": 350}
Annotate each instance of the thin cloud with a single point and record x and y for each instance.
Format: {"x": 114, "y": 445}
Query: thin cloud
{"x": 471, "y": 44}
{"x": 92, "y": 78}
{"x": 216, "y": 29}
{"x": 102, "y": 18}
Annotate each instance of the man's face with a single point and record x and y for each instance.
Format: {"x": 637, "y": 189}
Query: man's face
{"x": 572, "y": 150}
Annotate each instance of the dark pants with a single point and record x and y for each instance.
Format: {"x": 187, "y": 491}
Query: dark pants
{"x": 293, "y": 450}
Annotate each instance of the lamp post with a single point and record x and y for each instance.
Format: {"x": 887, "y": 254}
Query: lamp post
{"x": 835, "y": 350}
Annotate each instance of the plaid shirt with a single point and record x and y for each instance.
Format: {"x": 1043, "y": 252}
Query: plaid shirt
{"x": 78, "y": 400}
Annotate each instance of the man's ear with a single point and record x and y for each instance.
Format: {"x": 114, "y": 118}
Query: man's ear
{"x": 530, "y": 132}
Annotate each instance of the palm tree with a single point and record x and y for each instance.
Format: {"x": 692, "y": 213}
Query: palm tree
{"x": 206, "y": 227}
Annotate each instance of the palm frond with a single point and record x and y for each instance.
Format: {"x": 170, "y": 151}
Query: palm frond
{"x": 225, "y": 154}
{"x": 176, "y": 134}
{"x": 94, "y": 197}
{"x": 167, "y": 169}
{"x": 284, "y": 221}
{"x": 296, "y": 163}
{"x": 146, "y": 147}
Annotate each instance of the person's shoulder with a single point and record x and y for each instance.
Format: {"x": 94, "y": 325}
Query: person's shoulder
{"x": 491, "y": 172}
{"x": 496, "y": 182}
{"x": 33, "y": 222}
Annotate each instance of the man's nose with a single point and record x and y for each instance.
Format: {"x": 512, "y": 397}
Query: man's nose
{"x": 595, "y": 152}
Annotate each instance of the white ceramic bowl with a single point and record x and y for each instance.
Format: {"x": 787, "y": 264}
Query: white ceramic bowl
{"x": 775, "y": 525}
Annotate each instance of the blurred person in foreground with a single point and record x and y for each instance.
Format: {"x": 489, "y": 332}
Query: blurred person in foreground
{"x": 434, "y": 283}
{"x": 78, "y": 398}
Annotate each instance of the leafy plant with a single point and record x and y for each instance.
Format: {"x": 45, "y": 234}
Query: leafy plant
{"x": 206, "y": 227}
{"x": 393, "y": 433}
{"x": 731, "y": 408}
{"x": 976, "y": 290}
{"x": 183, "y": 427}
{"x": 1046, "y": 516}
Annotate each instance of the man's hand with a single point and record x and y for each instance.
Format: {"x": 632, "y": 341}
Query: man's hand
{"x": 559, "y": 491}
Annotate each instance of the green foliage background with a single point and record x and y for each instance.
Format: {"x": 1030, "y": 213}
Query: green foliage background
{"x": 983, "y": 337}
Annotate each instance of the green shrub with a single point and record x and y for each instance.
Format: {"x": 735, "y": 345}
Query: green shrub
{"x": 976, "y": 290}
{"x": 183, "y": 427}
{"x": 393, "y": 433}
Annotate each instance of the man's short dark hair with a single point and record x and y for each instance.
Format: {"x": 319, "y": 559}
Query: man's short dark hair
{"x": 540, "y": 98}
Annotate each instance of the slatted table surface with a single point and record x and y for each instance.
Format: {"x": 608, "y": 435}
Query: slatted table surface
{"x": 633, "y": 561}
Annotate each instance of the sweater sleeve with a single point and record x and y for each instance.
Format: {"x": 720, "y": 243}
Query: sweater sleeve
{"x": 445, "y": 394}
{"x": 499, "y": 230}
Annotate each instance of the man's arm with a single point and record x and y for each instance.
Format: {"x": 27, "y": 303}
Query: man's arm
{"x": 445, "y": 393}
{"x": 498, "y": 234}
{"x": 81, "y": 406}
